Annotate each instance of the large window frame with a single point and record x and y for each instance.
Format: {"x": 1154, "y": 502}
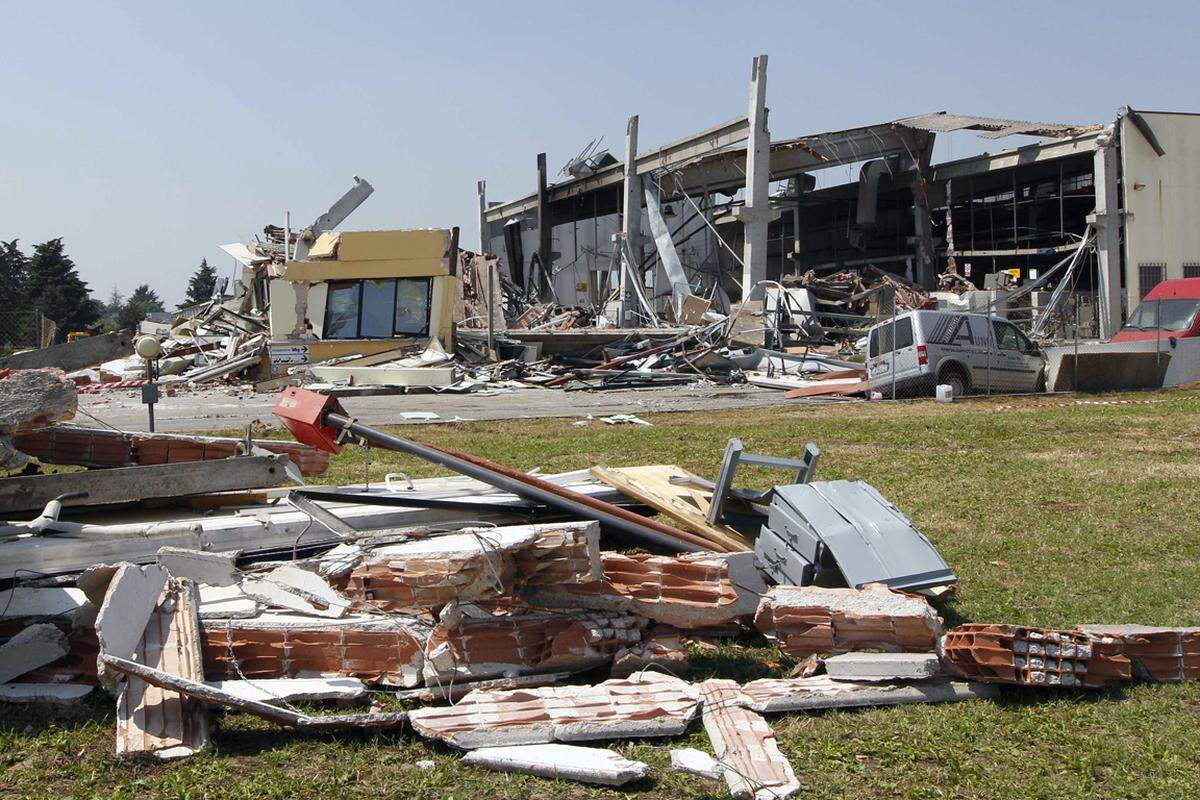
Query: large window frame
{"x": 359, "y": 287}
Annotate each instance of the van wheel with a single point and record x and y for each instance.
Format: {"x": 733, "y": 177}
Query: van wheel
{"x": 953, "y": 377}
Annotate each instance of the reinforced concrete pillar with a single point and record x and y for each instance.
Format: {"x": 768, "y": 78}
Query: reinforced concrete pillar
{"x": 631, "y": 216}
{"x": 756, "y": 213}
{"x": 1106, "y": 220}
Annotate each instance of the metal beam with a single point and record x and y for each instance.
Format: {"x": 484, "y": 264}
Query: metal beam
{"x": 665, "y": 157}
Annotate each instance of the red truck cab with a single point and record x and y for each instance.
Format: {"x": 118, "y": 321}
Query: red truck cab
{"x": 1169, "y": 309}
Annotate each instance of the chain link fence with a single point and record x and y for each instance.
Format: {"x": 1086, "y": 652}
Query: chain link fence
{"x": 25, "y": 330}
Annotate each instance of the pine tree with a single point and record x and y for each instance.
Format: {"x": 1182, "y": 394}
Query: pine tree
{"x": 13, "y": 264}
{"x": 201, "y": 285}
{"x": 141, "y": 302}
{"x": 116, "y": 301}
{"x": 53, "y": 286}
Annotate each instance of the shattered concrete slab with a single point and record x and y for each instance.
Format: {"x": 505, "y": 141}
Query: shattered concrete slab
{"x": 204, "y": 693}
{"x": 226, "y": 602}
{"x": 129, "y": 601}
{"x": 33, "y": 647}
{"x": 475, "y": 564}
{"x": 777, "y": 695}
{"x": 1156, "y": 654}
{"x": 883, "y": 666}
{"x": 1034, "y": 656}
{"x": 810, "y": 619}
{"x": 697, "y": 762}
{"x": 477, "y": 648}
{"x": 691, "y": 591}
{"x": 27, "y": 602}
{"x": 291, "y": 690}
{"x": 291, "y": 593}
{"x": 561, "y": 761}
{"x": 375, "y": 649}
{"x": 649, "y": 705}
{"x": 211, "y": 569}
{"x": 158, "y": 719}
{"x": 745, "y": 745}
{"x": 57, "y": 693}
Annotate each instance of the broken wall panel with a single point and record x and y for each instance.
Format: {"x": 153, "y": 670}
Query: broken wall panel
{"x": 101, "y": 447}
{"x": 1034, "y": 656}
{"x": 745, "y": 745}
{"x": 374, "y": 649}
{"x": 1159, "y": 654}
{"x": 523, "y": 643}
{"x": 475, "y": 564}
{"x": 160, "y": 720}
{"x": 649, "y": 705}
{"x": 690, "y": 591}
{"x": 809, "y": 619}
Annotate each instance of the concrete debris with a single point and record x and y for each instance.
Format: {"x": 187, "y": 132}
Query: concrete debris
{"x": 810, "y": 619}
{"x": 27, "y": 602}
{"x": 778, "y": 695}
{"x": 309, "y": 586}
{"x": 126, "y": 609}
{"x": 226, "y": 602}
{"x": 152, "y": 717}
{"x": 874, "y": 667}
{"x": 33, "y": 647}
{"x": 661, "y": 648}
{"x": 57, "y": 693}
{"x": 648, "y": 705}
{"x": 522, "y": 643}
{"x": 1035, "y": 656}
{"x": 690, "y": 591}
{"x": 212, "y": 569}
{"x": 560, "y": 762}
{"x": 625, "y": 419}
{"x": 31, "y": 398}
{"x": 697, "y": 762}
{"x": 283, "y": 594}
{"x": 744, "y": 745}
{"x": 375, "y": 649}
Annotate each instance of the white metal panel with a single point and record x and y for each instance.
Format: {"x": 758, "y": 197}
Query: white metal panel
{"x": 1162, "y": 194}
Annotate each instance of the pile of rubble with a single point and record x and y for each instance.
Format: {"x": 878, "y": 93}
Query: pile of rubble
{"x": 432, "y": 606}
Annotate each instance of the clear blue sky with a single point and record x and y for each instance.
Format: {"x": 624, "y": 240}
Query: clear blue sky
{"x": 146, "y": 134}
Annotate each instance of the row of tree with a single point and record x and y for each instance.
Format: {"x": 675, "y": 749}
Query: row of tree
{"x": 48, "y": 281}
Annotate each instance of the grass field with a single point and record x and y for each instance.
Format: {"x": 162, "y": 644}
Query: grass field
{"x": 1049, "y": 515}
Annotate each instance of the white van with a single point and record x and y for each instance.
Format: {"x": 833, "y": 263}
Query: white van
{"x": 970, "y": 352}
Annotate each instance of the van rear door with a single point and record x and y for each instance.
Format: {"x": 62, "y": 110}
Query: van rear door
{"x": 892, "y": 354}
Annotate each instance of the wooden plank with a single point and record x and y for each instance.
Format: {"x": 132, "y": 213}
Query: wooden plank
{"x": 137, "y": 483}
{"x": 687, "y": 504}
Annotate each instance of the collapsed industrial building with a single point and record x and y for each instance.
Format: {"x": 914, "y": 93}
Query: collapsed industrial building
{"x": 514, "y": 615}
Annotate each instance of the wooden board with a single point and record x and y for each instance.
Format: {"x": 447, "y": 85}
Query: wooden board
{"x": 687, "y": 504}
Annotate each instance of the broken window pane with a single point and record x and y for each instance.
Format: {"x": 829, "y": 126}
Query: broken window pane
{"x": 378, "y": 299}
{"x": 341, "y": 310}
{"x": 412, "y": 306}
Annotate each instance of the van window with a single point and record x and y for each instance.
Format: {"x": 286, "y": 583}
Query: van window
{"x": 1007, "y": 336}
{"x": 904, "y": 333}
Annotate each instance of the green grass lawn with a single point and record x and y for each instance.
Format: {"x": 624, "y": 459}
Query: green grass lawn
{"x": 1049, "y": 515}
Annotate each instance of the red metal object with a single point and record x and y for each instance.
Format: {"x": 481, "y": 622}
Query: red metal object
{"x": 303, "y": 412}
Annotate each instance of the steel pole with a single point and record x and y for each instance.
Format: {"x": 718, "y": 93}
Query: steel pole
{"x": 529, "y": 488}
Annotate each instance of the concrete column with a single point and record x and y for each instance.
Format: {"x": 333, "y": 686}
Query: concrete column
{"x": 543, "y": 226}
{"x": 631, "y": 214}
{"x": 481, "y": 188}
{"x": 1106, "y": 220}
{"x": 756, "y": 214}
{"x": 924, "y": 266}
